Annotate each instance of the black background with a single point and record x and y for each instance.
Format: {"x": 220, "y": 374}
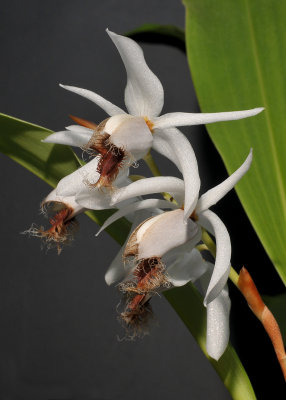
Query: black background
{"x": 58, "y": 322}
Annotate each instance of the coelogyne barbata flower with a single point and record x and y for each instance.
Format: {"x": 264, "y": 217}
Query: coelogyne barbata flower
{"x": 61, "y": 205}
{"x": 129, "y": 136}
{"x": 159, "y": 236}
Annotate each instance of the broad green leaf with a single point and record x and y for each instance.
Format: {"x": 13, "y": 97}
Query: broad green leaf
{"x": 236, "y": 52}
{"x": 188, "y": 303}
{"x": 21, "y": 141}
{"x": 155, "y": 33}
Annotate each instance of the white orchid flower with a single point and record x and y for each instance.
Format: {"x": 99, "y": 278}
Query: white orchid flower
{"x": 171, "y": 229}
{"x": 131, "y": 135}
{"x": 170, "y": 268}
{"x": 61, "y": 212}
{"x": 61, "y": 205}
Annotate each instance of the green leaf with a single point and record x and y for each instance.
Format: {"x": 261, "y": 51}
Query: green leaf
{"x": 188, "y": 303}
{"x": 21, "y": 141}
{"x": 236, "y": 52}
{"x": 155, "y": 33}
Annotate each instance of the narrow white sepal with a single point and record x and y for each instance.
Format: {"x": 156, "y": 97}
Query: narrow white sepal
{"x": 218, "y": 324}
{"x": 69, "y": 138}
{"x": 144, "y": 94}
{"x": 139, "y": 205}
{"x": 187, "y": 119}
{"x": 213, "y": 223}
{"x": 185, "y": 155}
{"x": 213, "y": 195}
{"x": 106, "y": 105}
{"x": 146, "y": 186}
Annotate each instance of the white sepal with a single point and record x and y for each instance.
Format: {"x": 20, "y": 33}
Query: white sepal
{"x": 144, "y": 94}
{"x": 187, "y": 119}
{"x": 218, "y": 324}
{"x": 106, "y": 105}
{"x": 151, "y": 185}
{"x": 213, "y": 195}
{"x": 139, "y": 205}
{"x": 184, "y": 154}
{"x": 213, "y": 224}
{"x": 77, "y": 138}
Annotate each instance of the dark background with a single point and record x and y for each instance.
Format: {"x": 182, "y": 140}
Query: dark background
{"x": 59, "y": 333}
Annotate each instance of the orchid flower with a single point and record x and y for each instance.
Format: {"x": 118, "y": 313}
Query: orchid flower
{"x": 61, "y": 212}
{"x": 171, "y": 229}
{"x": 129, "y": 136}
{"x": 172, "y": 266}
{"x": 61, "y": 205}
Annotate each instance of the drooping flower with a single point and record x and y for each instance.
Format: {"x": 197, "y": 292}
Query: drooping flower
{"x": 61, "y": 212}
{"x": 131, "y": 135}
{"x": 61, "y": 205}
{"x": 168, "y": 231}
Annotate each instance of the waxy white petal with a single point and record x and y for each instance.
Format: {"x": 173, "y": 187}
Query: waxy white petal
{"x": 144, "y": 94}
{"x": 213, "y": 223}
{"x": 164, "y": 232}
{"x": 79, "y": 128}
{"x": 184, "y": 266}
{"x": 72, "y": 184}
{"x": 185, "y": 155}
{"x": 139, "y": 205}
{"x": 213, "y": 195}
{"x": 188, "y": 119}
{"x": 131, "y": 134}
{"x": 106, "y": 105}
{"x": 218, "y": 324}
{"x": 70, "y": 137}
{"x": 161, "y": 145}
{"x": 151, "y": 185}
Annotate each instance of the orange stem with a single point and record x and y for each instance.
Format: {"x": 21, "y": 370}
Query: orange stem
{"x": 262, "y": 312}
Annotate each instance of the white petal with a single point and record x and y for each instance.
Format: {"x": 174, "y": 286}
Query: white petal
{"x": 213, "y": 223}
{"x": 184, "y": 154}
{"x": 213, "y": 195}
{"x": 70, "y": 138}
{"x": 163, "y": 233}
{"x": 151, "y": 185}
{"x": 99, "y": 198}
{"x": 144, "y": 94}
{"x": 218, "y": 324}
{"x": 188, "y": 119}
{"x": 72, "y": 184}
{"x": 139, "y": 205}
{"x": 117, "y": 270}
{"x": 161, "y": 145}
{"x": 79, "y": 128}
{"x": 131, "y": 134}
{"x": 185, "y": 266}
{"x": 106, "y": 105}
{"x": 66, "y": 201}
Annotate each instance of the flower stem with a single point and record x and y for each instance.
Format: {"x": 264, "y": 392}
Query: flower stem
{"x": 149, "y": 160}
{"x": 151, "y": 164}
